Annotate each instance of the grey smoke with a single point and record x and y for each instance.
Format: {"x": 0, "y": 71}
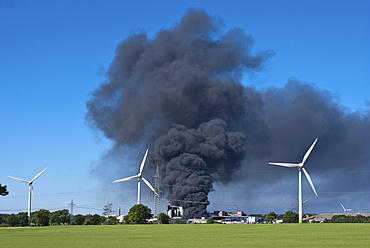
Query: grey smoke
{"x": 180, "y": 95}
{"x": 298, "y": 113}
{"x": 186, "y": 75}
{"x": 187, "y": 155}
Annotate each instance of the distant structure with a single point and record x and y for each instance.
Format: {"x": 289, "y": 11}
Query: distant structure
{"x": 157, "y": 198}
{"x": 175, "y": 212}
{"x": 71, "y": 215}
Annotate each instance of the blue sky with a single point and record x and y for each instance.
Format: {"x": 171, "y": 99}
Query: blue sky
{"x": 53, "y": 54}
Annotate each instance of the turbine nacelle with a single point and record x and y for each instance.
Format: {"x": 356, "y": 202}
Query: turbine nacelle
{"x": 301, "y": 165}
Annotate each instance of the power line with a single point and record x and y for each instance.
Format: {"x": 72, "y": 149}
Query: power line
{"x": 191, "y": 187}
{"x": 92, "y": 207}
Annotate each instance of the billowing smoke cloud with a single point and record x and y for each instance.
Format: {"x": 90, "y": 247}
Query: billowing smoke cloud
{"x": 187, "y": 75}
{"x": 179, "y": 94}
{"x": 188, "y": 154}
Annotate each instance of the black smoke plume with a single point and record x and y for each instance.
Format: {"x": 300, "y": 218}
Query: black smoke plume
{"x": 179, "y": 94}
{"x": 184, "y": 82}
{"x": 187, "y": 155}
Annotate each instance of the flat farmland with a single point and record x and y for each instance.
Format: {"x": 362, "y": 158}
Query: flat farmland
{"x": 189, "y": 235}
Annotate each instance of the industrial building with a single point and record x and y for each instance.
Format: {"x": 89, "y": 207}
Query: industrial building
{"x": 175, "y": 213}
{"x": 238, "y": 217}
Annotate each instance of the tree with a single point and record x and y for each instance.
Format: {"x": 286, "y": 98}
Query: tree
{"x": 22, "y": 219}
{"x": 112, "y": 220}
{"x": 164, "y": 218}
{"x": 108, "y": 209}
{"x": 33, "y": 219}
{"x": 42, "y": 217}
{"x": 3, "y": 190}
{"x": 60, "y": 217}
{"x": 179, "y": 222}
{"x": 64, "y": 219}
{"x": 270, "y": 217}
{"x": 79, "y": 219}
{"x": 290, "y": 217}
{"x": 3, "y": 218}
{"x": 12, "y": 220}
{"x": 95, "y": 219}
{"x": 138, "y": 214}
{"x": 87, "y": 219}
{"x": 210, "y": 220}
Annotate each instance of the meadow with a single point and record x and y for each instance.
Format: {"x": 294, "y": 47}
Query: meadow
{"x": 190, "y": 235}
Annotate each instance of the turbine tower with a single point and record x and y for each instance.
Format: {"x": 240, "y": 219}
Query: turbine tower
{"x": 139, "y": 178}
{"x": 300, "y": 169}
{"x": 30, "y": 189}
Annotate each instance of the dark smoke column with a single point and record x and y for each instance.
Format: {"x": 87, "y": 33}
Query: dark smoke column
{"x": 187, "y": 156}
{"x": 184, "y": 82}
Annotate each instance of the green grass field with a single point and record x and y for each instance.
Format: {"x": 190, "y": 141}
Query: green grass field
{"x": 191, "y": 235}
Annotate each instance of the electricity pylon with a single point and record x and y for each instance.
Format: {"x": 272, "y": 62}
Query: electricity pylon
{"x": 157, "y": 198}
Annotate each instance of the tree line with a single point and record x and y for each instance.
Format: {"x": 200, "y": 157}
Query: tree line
{"x": 138, "y": 214}
{"x": 348, "y": 219}
{"x": 42, "y": 217}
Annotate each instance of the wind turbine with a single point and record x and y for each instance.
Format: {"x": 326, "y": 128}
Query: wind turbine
{"x": 30, "y": 189}
{"x": 300, "y": 169}
{"x": 345, "y": 209}
{"x": 237, "y": 207}
{"x": 139, "y": 178}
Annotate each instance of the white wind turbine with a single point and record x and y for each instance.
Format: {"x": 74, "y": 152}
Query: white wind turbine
{"x": 300, "y": 168}
{"x": 30, "y": 189}
{"x": 139, "y": 177}
{"x": 345, "y": 209}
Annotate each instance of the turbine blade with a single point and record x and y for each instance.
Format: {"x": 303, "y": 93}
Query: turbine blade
{"x": 309, "y": 180}
{"x": 150, "y": 186}
{"x": 309, "y": 151}
{"x": 143, "y": 162}
{"x": 285, "y": 164}
{"x": 33, "y": 193}
{"x": 19, "y": 179}
{"x": 38, "y": 175}
{"x": 343, "y": 207}
{"x": 125, "y": 179}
